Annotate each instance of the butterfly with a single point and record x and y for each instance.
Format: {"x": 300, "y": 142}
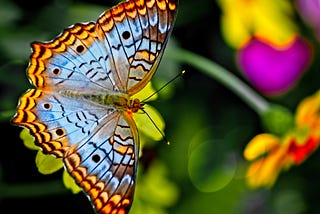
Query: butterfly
{"x": 81, "y": 109}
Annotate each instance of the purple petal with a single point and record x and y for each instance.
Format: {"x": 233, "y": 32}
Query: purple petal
{"x": 309, "y": 11}
{"x": 272, "y": 69}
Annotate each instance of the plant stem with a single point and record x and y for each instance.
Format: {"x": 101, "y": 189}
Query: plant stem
{"x": 248, "y": 95}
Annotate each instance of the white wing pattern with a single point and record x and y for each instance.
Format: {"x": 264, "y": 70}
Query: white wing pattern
{"x": 80, "y": 109}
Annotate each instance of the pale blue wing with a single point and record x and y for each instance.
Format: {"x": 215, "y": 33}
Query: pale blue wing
{"x": 76, "y": 60}
{"x": 98, "y": 143}
{"x": 136, "y": 33}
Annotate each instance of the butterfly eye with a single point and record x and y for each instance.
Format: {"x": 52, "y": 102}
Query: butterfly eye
{"x": 80, "y": 48}
{"x": 47, "y": 106}
{"x": 59, "y": 132}
{"x": 96, "y": 158}
{"x": 126, "y": 35}
{"x": 56, "y": 71}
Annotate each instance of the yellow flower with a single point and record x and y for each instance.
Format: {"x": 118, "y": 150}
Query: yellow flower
{"x": 308, "y": 114}
{"x": 241, "y": 19}
{"x": 272, "y": 154}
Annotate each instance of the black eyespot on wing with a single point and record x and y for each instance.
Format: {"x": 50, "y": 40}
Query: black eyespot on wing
{"x": 96, "y": 158}
{"x": 56, "y": 71}
{"x": 80, "y": 48}
{"x": 59, "y": 132}
{"x": 47, "y": 106}
{"x": 126, "y": 35}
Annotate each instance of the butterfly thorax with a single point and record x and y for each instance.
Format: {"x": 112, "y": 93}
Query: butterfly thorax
{"x": 119, "y": 101}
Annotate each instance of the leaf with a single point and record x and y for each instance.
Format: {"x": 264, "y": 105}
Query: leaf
{"x": 70, "y": 183}
{"x": 48, "y": 164}
{"x": 147, "y": 91}
{"x": 28, "y": 139}
{"x": 146, "y": 126}
{"x": 154, "y": 191}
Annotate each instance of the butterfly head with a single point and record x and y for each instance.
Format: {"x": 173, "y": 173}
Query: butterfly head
{"x": 135, "y": 105}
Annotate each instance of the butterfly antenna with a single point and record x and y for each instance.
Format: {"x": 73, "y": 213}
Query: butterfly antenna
{"x": 162, "y": 87}
{"x": 155, "y": 125}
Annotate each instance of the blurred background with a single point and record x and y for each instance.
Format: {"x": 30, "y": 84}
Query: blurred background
{"x": 209, "y": 125}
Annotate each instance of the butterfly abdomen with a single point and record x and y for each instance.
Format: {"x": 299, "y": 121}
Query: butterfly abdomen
{"x": 117, "y": 100}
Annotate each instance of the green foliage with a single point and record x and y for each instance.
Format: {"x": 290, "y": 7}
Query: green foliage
{"x": 70, "y": 183}
{"x": 154, "y": 191}
{"x": 28, "y": 139}
{"x": 48, "y": 164}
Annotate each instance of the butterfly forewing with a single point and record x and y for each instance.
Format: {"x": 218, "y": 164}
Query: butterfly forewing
{"x": 70, "y": 112}
{"x": 136, "y": 33}
{"x": 59, "y": 122}
{"x": 75, "y": 60}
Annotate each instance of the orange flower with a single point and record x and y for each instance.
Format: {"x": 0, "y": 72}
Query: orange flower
{"x": 272, "y": 154}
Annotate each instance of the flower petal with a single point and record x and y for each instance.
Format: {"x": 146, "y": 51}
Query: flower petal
{"x": 309, "y": 11}
{"x": 264, "y": 172}
{"x": 242, "y": 19}
{"x": 269, "y": 68}
{"x": 300, "y": 152}
{"x": 308, "y": 112}
{"x": 260, "y": 145}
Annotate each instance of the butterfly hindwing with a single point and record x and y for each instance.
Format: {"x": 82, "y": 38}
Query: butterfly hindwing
{"x": 105, "y": 165}
{"x": 98, "y": 144}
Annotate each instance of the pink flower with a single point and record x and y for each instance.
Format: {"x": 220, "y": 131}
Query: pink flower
{"x": 309, "y": 11}
{"x": 272, "y": 68}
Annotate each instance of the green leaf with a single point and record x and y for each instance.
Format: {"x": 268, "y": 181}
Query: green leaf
{"x": 28, "y": 139}
{"x": 154, "y": 191}
{"x": 70, "y": 183}
{"x": 147, "y": 91}
{"x": 48, "y": 164}
{"x": 146, "y": 126}
{"x": 156, "y": 177}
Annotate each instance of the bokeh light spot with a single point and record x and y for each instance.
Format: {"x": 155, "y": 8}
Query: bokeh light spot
{"x": 210, "y": 169}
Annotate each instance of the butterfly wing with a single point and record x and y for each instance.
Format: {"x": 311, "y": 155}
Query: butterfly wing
{"x": 58, "y": 122}
{"x": 120, "y": 52}
{"x": 76, "y": 60}
{"x": 98, "y": 144}
{"x": 105, "y": 165}
{"x": 136, "y": 33}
